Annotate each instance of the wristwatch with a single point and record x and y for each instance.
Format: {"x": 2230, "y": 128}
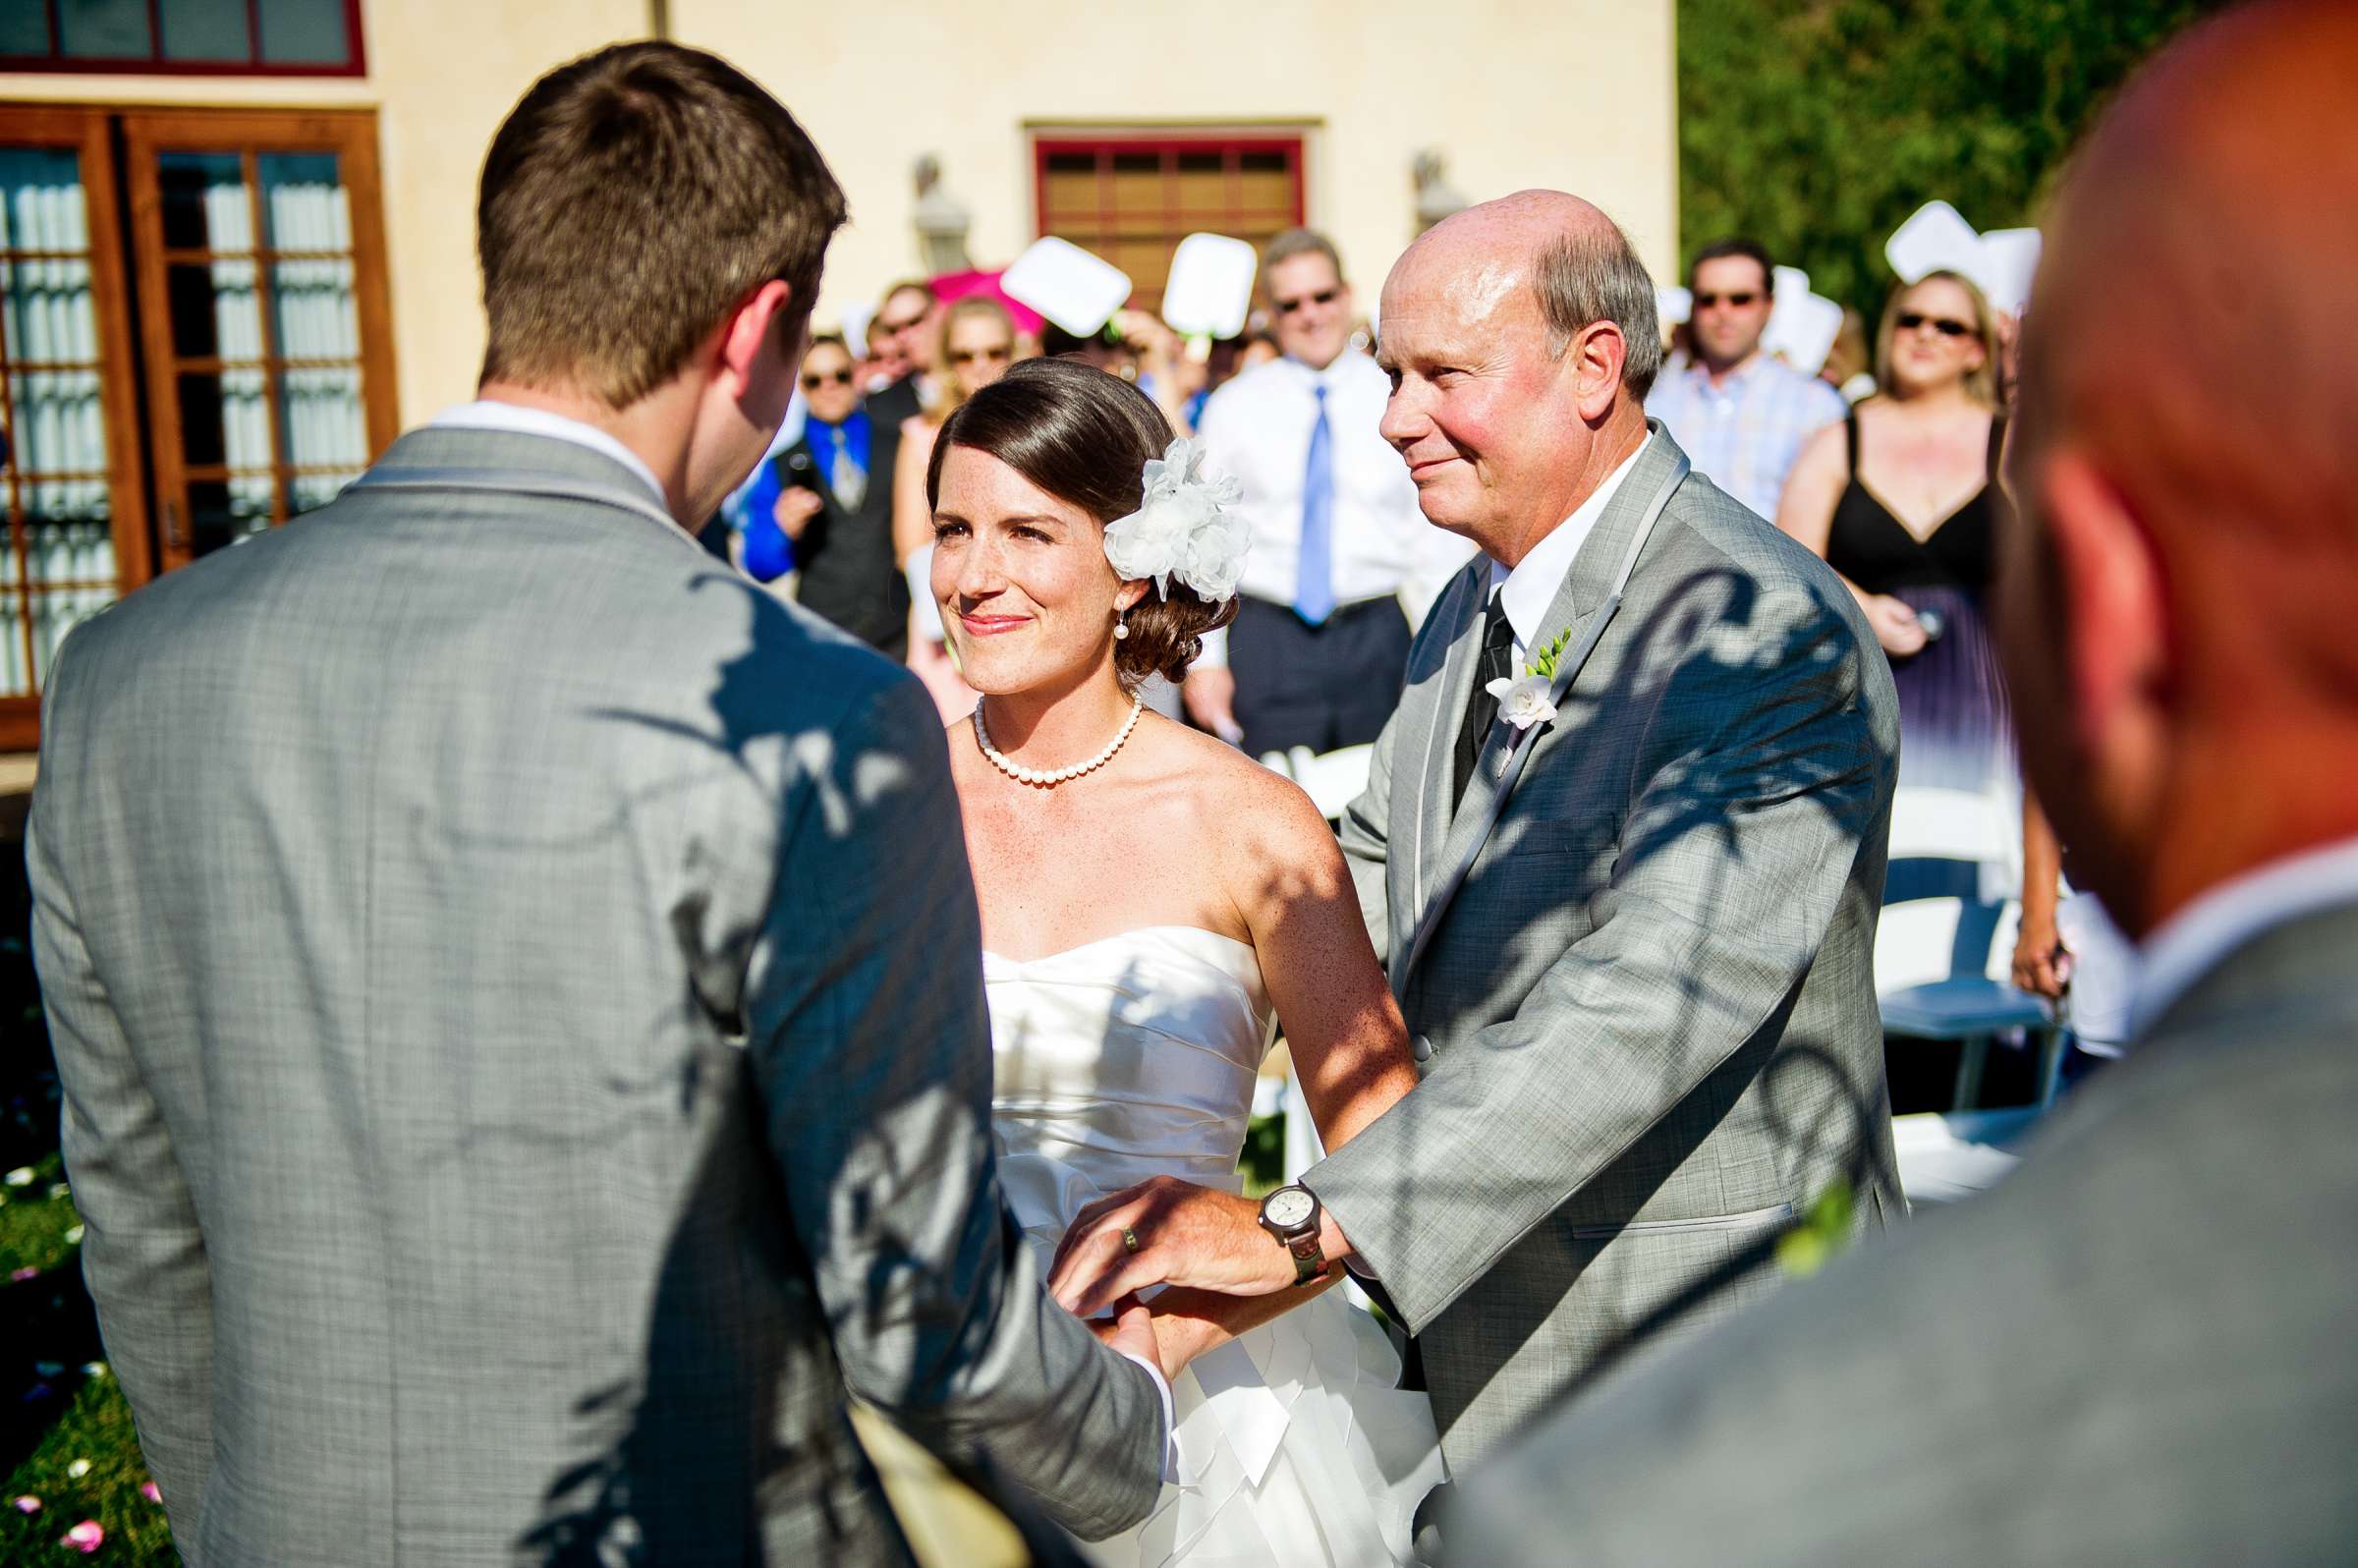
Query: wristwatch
{"x": 1291, "y": 1214}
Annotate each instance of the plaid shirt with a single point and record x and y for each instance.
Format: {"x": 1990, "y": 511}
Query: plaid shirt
{"x": 1745, "y": 434}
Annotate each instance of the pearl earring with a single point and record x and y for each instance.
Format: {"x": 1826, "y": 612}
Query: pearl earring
{"x": 1121, "y": 625}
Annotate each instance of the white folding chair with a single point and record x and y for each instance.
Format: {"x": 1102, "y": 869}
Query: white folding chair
{"x": 1942, "y": 959}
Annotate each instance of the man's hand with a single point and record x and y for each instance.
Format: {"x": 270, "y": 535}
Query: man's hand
{"x": 1210, "y": 697}
{"x": 795, "y": 508}
{"x": 1187, "y": 1235}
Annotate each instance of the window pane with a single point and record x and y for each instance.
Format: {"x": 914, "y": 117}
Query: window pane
{"x": 225, "y": 511}
{"x": 205, "y": 30}
{"x": 204, "y": 201}
{"x": 104, "y": 30}
{"x": 303, "y": 32}
{"x": 71, "y": 563}
{"x": 23, "y": 27}
{"x": 305, "y": 206}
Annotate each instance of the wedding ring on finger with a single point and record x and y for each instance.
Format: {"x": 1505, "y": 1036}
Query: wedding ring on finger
{"x": 1129, "y": 1241}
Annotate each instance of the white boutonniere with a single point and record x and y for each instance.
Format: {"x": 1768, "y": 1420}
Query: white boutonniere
{"x": 1522, "y": 699}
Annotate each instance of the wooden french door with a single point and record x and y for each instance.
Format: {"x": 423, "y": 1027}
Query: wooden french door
{"x": 263, "y": 314}
{"x": 73, "y": 482}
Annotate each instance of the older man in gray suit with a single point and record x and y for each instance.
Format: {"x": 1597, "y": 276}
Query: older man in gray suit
{"x": 2138, "y": 1349}
{"x": 517, "y": 986}
{"x": 1629, "y": 909}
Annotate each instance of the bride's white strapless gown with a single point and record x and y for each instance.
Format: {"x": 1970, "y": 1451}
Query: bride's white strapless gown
{"x": 1134, "y": 1056}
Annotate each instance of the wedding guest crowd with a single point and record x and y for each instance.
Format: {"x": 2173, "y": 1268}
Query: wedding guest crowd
{"x": 901, "y": 348}
{"x": 1341, "y": 555}
{"x": 1741, "y": 416}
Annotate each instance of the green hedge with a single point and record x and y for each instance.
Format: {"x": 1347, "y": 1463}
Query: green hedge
{"x": 1818, "y": 126}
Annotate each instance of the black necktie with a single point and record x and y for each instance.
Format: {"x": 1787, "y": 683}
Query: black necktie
{"x": 1482, "y": 708}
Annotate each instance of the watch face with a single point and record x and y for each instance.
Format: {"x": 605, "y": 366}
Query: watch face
{"x": 1288, "y": 1206}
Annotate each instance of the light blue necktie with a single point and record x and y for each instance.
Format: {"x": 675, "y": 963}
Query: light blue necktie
{"x": 1314, "y": 579}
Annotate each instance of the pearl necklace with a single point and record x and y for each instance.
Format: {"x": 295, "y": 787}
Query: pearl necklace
{"x": 1051, "y": 777}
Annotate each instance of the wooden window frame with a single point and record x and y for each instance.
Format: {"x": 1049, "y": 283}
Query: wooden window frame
{"x": 350, "y": 135}
{"x": 155, "y": 65}
{"x": 1106, "y": 143}
{"x": 84, "y": 130}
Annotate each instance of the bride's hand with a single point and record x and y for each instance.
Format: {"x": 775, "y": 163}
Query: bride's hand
{"x": 1189, "y": 1323}
{"x": 1171, "y": 1342}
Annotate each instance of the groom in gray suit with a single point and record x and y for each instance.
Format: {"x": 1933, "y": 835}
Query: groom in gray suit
{"x": 517, "y": 986}
{"x": 1628, "y": 911}
{"x": 2138, "y": 1349}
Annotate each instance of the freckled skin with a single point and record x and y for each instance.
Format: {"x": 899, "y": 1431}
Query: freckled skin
{"x": 1176, "y": 829}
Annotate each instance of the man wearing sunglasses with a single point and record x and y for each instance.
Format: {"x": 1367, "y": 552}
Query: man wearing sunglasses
{"x": 1741, "y": 416}
{"x": 1341, "y": 555}
{"x": 822, "y": 505}
{"x": 902, "y": 339}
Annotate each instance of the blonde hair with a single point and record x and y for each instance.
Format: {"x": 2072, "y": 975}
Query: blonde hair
{"x": 1981, "y": 382}
{"x": 952, "y": 390}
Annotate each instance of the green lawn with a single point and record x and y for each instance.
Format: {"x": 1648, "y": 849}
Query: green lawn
{"x": 66, "y": 1437}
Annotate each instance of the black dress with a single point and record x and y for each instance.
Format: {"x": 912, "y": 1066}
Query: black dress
{"x": 1952, "y": 708}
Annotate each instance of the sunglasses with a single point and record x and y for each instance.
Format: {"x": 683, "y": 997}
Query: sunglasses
{"x": 1912, "y": 322}
{"x": 904, "y": 324}
{"x": 1322, "y": 296}
{"x": 979, "y": 355}
{"x": 816, "y": 379}
{"x": 1734, "y": 301}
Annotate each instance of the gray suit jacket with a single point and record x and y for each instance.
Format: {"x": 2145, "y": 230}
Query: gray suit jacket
{"x": 517, "y": 992}
{"x": 2136, "y": 1350}
{"x": 1650, "y": 1018}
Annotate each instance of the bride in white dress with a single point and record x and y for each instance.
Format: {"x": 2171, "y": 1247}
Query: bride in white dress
{"x": 1155, "y": 906}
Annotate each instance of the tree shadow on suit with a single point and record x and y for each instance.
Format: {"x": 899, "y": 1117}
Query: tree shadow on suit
{"x": 777, "y": 1445}
{"x": 1784, "y": 1070}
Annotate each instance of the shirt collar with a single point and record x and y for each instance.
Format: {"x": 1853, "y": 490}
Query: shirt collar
{"x": 2190, "y": 943}
{"x": 1528, "y": 589}
{"x": 851, "y": 428}
{"x": 1334, "y": 371}
{"x": 486, "y": 414}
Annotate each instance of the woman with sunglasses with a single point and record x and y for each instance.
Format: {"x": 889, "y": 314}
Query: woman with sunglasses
{"x": 1902, "y": 500}
{"x": 973, "y": 348}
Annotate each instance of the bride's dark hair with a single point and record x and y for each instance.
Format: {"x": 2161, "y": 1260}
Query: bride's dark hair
{"x": 1085, "y": 437}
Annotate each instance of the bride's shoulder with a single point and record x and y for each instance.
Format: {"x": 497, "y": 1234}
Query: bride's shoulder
{"x": 1244, "y": 798}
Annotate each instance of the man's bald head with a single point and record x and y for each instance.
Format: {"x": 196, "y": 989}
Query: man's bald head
{"x": 1520, "y": 339}
{"x": 1578, "y": 263}
{"x": 2177, "y": 604}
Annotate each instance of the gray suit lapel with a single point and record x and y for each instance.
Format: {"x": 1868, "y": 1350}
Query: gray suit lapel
{"x": 1583, "y": 597}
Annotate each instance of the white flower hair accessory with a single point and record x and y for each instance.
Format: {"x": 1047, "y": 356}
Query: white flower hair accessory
{"x": 1183, "y": 528}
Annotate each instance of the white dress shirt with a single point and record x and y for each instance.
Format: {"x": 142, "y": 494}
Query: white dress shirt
{"x": 1256, "y": 428}
{"x": 1525, "y": 592}
{"x": 485, "y": 414}
{"x": 2190, "y": 943}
